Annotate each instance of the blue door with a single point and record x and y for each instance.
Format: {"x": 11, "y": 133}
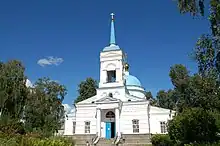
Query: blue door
{"x": 108, "y": 130}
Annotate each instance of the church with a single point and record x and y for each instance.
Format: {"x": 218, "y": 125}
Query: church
{"x": 119, "y": 107}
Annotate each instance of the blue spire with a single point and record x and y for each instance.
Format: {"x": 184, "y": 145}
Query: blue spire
{"x": 112, "y": 37}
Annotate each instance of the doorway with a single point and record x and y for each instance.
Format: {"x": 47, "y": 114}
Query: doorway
{"x": 110, "y": 130}
{"x": 110, "y": 125}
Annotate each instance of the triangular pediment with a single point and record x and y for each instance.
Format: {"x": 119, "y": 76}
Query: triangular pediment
{"x": 107, "y": 99}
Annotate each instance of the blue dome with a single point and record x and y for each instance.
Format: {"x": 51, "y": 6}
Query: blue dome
{"x": 132, "y": 81}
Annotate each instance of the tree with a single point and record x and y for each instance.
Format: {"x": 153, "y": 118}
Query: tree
{"x": 13, "y": 91}
{"x": 148, "y": 95}
{"x": 179, "y": 76}
{"x": 208, "y": 45}
{"x": 44, "y": 110}
{"x": 86, "y": 89}
{"x": 193, "y": 125}
{"x": 193, "y": 7}
{"x": 165, "y": 99}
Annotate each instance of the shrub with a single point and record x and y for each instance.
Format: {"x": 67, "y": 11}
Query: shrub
{"x": 161, "y": 140}
{"x": 12, "y": 128}
{"x": 193, "y": 125}
{"x": 30, "y": 140}
{"x": 55, "y": 141}
{"x": 207, "y": 144}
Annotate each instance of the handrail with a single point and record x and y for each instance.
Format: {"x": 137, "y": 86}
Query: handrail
{"x": 96, "y": 139}
{"x": 117, "y": 139}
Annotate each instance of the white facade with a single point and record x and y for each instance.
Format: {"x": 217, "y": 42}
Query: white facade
{"x": 120, "y": 106}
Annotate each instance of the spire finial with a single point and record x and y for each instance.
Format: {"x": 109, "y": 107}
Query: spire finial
{"x": 112, "y": 14}
{"x": 112, "y": 37}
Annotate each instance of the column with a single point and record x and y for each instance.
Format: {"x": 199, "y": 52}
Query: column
{"x": 98, "y": 121}
{"x": 117, "y": 121}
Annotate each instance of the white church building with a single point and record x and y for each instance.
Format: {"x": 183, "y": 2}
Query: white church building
{"x": 119, "y": 106}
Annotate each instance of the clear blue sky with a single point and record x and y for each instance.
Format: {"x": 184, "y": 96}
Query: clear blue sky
{"x": 153, "y": 33}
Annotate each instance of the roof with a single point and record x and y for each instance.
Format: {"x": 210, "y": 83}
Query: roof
{"x": 132, "y": 81}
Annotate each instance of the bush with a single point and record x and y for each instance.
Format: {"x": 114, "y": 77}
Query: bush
{"x": 161, "y": 140}
{"x": 12, "y": 128}
{"x": 210, "y": 144}
{"x": 193, "y": 125}
{"x": 27, "y": 140}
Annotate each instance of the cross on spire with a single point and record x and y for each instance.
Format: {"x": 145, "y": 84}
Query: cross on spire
{"x": 112, "y": 14}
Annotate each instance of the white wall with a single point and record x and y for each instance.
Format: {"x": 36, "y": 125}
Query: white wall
{"x": 132, "y": 111}
{"x": 158, "y": 115}
{"x": 68, "y": 127}
{"x": 85, "y": 114}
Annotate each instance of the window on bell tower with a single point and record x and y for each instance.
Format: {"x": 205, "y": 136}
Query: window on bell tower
{"x": 111, "y": 76}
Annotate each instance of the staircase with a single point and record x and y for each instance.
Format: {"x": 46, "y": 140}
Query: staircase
{"x": 126, "y": 140}
{"x": 105, "y": 142}
{"x": 135, "y": 140}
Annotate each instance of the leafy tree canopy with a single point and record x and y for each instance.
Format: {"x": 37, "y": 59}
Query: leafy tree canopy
{"x": 86, "y": 89}
{"x": 193, "y": 125}
{"x": 44, "y": 111}
{"x": 148, "y": 95}
{"x": 13, "y": 91}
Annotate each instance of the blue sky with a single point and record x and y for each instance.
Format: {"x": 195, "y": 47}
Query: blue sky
{"x": 153, "y": 34}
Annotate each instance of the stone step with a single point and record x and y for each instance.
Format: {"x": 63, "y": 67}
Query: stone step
{"x": 134, "y": 144}
{"x": 136, "y": 141}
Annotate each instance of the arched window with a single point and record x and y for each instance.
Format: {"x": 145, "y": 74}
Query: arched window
{"x": 110, "y": 114}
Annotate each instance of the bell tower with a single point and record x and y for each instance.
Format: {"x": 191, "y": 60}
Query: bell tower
{"x": 111, "y": 62}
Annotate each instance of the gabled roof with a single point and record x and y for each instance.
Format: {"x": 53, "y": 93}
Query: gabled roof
{"x": 107, "y": 99}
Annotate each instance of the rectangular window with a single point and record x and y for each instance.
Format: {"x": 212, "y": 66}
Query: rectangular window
{"x": 135, "y": 124}
{"x": 111, "y": 76}
{"x": 74, "y": 127}
{"x": 163, "y": 127}
{"x": 87, "y": 127}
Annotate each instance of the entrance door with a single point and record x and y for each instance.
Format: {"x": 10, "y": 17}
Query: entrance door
{"x": 108, "y": 130}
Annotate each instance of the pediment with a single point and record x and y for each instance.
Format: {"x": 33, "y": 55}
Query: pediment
{"x": 107, "y": 99}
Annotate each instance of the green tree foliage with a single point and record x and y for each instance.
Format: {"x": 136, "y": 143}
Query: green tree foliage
{"x": 208, "y": 45}
{"x": 34, "y": 140}
{"x": 166, "y": 99}
{"x": 198, "y": 103}
{"x": 204, "y": 54}
{"x": 193, "y": 125}
{"x": 44, "y": 111}
{"x": 179, "y": 76}
{"x": 13, "y": 91}
{"x": 161, "y": 140}
{"x": 193, "y": 7}
{"x": 148, "y": 95}
{"x": 86, "y": 89}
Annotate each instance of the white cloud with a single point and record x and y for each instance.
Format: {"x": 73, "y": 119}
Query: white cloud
{"x": 50, "y": 61}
